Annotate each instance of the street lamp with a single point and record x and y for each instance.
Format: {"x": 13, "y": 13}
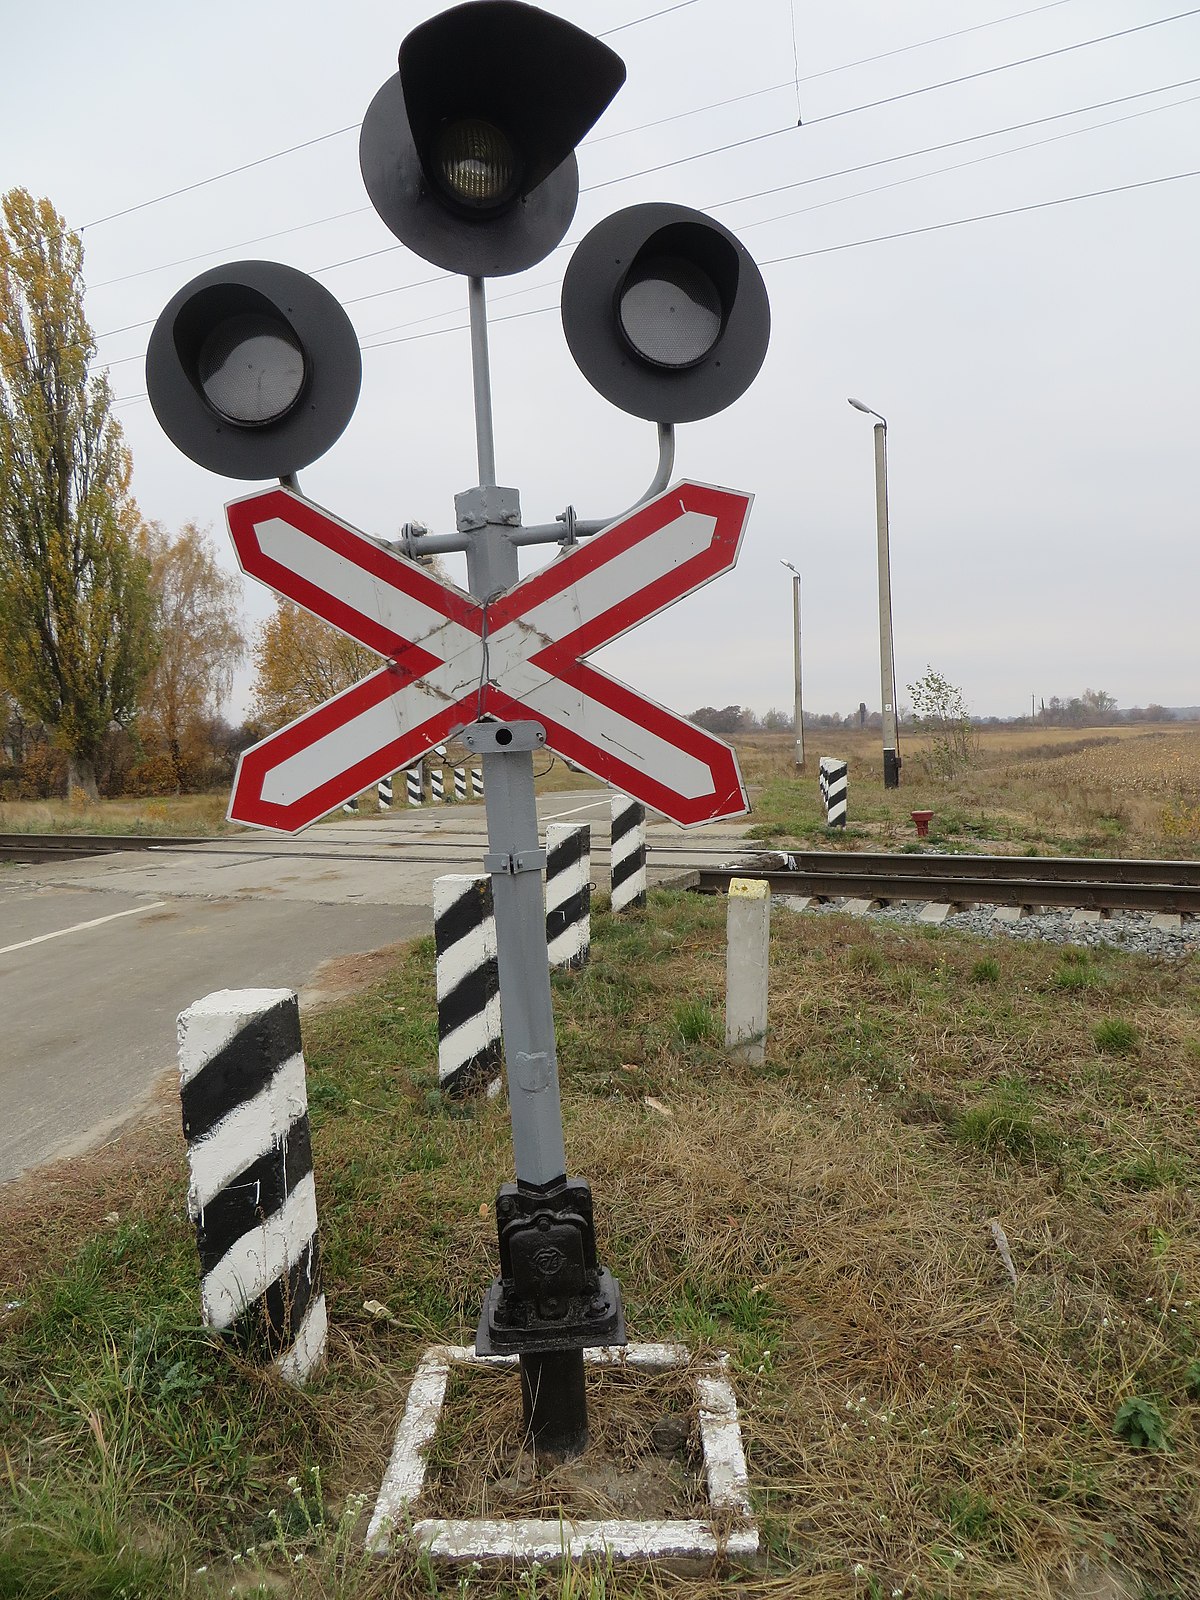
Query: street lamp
{"x": 887, "y": 662}
{"x": 796, "y": 631}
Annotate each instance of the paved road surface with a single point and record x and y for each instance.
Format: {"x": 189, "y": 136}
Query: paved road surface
{"x": 98, "y": 957}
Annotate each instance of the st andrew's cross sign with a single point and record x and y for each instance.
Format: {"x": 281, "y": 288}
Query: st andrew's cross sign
{"x": 451, "y": 659}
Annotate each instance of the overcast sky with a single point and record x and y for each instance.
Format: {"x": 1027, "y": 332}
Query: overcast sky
{"x": 1038, "y": 371}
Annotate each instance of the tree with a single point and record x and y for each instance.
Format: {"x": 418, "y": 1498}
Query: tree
{"x": 75, "y": 634}
{"x": 200, "y": 642}
{"x": 939, "y": 711}
{"x": 299, "y": 662}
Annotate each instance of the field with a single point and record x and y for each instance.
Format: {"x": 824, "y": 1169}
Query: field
{"x": 1126, "y": 790}
{"x": 1122, "y": 791}
{"x": 920, "y": 1420}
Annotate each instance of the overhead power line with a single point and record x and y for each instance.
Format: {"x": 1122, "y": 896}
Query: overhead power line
{"x": 1007, "y": 66}
{"x": 982, "y": 216}
{"x": 871, "y": 105}
{"x": 756, "y": 194}
{"x": 334, "y": 133}
{"x": 637, "y": 21}
{"x": 805, "y": 255}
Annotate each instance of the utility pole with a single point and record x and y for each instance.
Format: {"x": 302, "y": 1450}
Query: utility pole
{"x": 887, "y": 663}
{"x": 799, "y": 713}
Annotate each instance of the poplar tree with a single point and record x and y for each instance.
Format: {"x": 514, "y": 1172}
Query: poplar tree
{"x": 76, "y": 638}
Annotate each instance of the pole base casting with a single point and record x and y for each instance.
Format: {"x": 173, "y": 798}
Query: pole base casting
{"x": 551, "y": 1294}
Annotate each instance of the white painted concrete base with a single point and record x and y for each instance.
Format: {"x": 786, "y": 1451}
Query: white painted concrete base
{"x": 729, "y": 1531}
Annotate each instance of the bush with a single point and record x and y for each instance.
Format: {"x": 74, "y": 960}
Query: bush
{"x": 155, "y": 775}
{"x": 44, "y": 775}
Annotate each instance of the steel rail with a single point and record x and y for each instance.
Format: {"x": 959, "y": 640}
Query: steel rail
{"x": 956, "y": 888}
{"x": 1016, "y": 868}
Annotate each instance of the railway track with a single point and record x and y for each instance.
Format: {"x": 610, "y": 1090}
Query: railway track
{"x": 875, "y": 877}
{"x": 1027, "y": 881}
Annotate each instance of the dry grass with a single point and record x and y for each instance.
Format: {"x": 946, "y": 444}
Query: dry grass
{"x": 170, "y": 814}
{"x": 915, "y": 1423}
{"x": 1128, "y": 790}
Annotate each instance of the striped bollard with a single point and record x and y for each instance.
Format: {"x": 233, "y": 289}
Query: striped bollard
{"x": 437, "y": 790}
{"x": 251, "y": 1194}
{"x": 468, "y": 985}
{"x": 414, "y": 787}
{"x": 460, "y": 783}
{"x": 351, "y": 807}
{"x": 568, "y": 893}
{"x": 477, "y": 783}
{"x": 835, "y": 790}
{"x": 627, "y": 858}
{"x": 385, "y": 794}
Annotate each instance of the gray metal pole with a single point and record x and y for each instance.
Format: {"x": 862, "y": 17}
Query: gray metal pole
{"x": 887, "y": 663}
{"x": 481, "y": 378}
{"x": 552, "y": 1381}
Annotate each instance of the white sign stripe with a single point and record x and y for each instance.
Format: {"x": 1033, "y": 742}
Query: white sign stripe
{"x": 249, "y": 1131}
{"x": 79, "y": 927}
{"x": 622, "y": 575}
{"x": 249, "y": 1268}
{"x": 343, "y": 578}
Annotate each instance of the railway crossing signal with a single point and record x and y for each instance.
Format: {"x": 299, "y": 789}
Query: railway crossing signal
{"x": 525, "y": 663}
{"x": 467, "y": 153}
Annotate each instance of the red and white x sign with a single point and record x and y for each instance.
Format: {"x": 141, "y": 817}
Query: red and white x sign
{"x": 449, "y": 660}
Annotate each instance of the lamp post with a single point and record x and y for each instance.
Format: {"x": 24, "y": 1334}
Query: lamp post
{"x": 796, "y": 653}
{"x": 887, "y": 662}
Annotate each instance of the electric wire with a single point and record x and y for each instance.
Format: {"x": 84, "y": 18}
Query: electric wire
{"x": 908, "y": 94}
{"x": 334, "y": 133}
{"x": 758, "y": 194}
{"x": 637, "y": 21}
{"x": 987, "y": 72}
{"x": 982, "y": 216}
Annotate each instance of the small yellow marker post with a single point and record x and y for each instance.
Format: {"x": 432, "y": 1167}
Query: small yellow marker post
{"x": 748, "y": 943}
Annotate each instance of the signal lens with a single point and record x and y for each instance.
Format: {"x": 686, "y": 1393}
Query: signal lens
{"x": 670, "y": 311}
{"x": 476, "y": 163}
{"x": 251, "y": 369}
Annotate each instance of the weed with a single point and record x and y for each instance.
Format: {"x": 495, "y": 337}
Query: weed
{"x": 1114, "y": 1037}
{"x": 697, "y": 1023}
{"x": 1140, "y": 1423}
{"x": 1004, "y": 1121}
{"x": 986, "y": 970}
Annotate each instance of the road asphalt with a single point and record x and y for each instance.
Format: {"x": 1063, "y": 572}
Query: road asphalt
{"x": 98, "y": 957}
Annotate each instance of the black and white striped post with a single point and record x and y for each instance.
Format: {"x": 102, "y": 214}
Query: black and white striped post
{"x": 385, "y": 794}
{"x": 627, "y": 858}
{"x": 470, "y": 1055}
{"x": 251, "y": 1194}
{"x": 477, "y": 783}
{"x": 835, "y": 790}
{"x": 460, "y": 783}
{"x": 351, "y": 807}
{"x": 437, "y": 789}
{"x": 414, "y": 786}
{"x": 568, "y": 893}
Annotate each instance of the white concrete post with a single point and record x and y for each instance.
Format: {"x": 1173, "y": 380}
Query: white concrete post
{"x": 748, "y": 944}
